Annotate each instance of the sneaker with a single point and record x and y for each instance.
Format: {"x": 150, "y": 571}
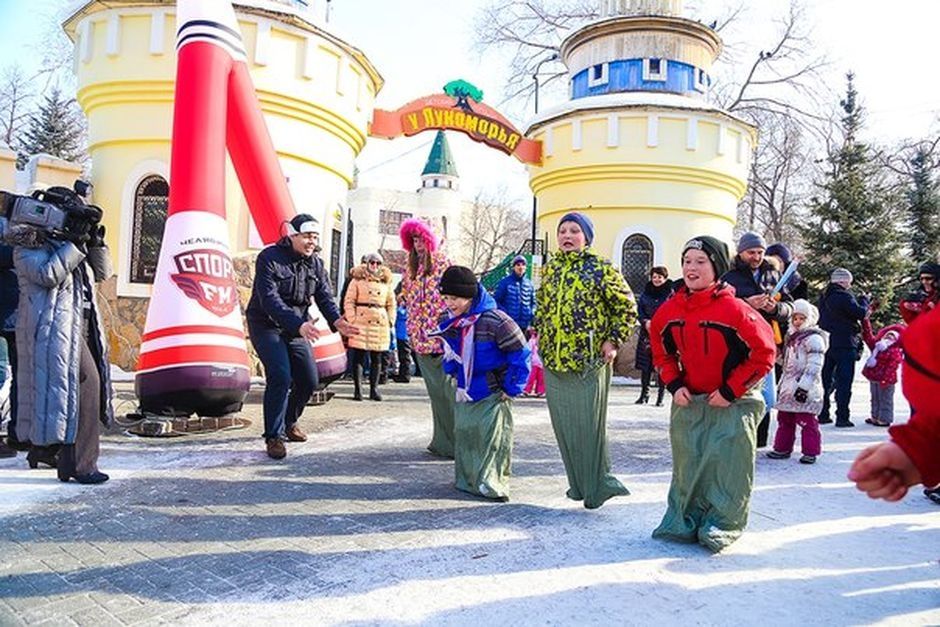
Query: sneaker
{"x": 808, "y": 459}
{"x": 844, "y": 425}
{"x": 275, "y": 448}
{"x": 777, "y": 455}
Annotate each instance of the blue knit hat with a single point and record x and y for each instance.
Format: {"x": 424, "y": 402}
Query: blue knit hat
{"x": 587, "y": 227}
{"x": 751, "y": 240}
{"x": 518, "y": 259}
{"x": 780, "y": 250}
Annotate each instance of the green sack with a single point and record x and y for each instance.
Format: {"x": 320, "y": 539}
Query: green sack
{"x": 713, "y": 451}
{"x": 577, "y": 405}
{"x": 483, "y": 447}
{"x": 442, "y": 391}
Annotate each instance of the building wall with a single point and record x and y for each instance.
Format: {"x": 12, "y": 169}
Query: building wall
{"x": 316, "y": 93}
{"x": 668, "y": 174}
{"x": 366, "y": 205}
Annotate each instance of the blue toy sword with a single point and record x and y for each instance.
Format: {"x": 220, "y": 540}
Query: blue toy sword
{"x": 789, "y": 272}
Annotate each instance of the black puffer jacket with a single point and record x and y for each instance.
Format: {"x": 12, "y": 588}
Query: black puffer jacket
{"x": 284, "y": 283}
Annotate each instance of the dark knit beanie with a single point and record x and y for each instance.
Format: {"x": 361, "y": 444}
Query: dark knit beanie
{"x": 587, "y": 227}
{"x": 751, "y": 240}
{"x": 780, "y": 250}
{"x": 459, "y": 281}
{"x": 930, "y": 268}
{"x": 716, "y": 250}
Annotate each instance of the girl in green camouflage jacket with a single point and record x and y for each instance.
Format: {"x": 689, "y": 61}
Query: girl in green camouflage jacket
{"x": 584, "y": 311}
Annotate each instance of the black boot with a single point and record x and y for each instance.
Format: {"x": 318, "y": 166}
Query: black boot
{"x": 357, "y": 382}
{"x": 644, "y": 397}
{"x": 659, "y": 394}
{"x": 374, "y": 379}
{"x": 66, "y": 468}
{"x": 45, "y": 455}
{"x": 645, "y": 389}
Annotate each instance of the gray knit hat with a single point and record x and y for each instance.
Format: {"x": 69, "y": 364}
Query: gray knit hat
{"x": 840, "y": 275}
{"x": 751, "y": 240}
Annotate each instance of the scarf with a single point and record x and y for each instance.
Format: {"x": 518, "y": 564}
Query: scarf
{"x": 465, "y": 326}
{"x": 880, "y": 346}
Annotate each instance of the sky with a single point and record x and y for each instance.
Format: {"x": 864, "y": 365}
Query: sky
{"x": 419, "y": 45}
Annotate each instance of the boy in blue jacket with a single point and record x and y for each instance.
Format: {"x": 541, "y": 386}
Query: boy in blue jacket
{"x": 486, "y": 352}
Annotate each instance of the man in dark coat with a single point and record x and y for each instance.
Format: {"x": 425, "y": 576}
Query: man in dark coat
{"x": 753, "y": 279}
{"x": 515, "y": 294}
{"x": 288, "y": 277}
{"x": 841, "y": 314}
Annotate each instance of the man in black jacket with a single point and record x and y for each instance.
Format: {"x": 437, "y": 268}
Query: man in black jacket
{"x": 288, "y": 276}
{"x": 841, "y": 314}
{"x": 753, "y": 279}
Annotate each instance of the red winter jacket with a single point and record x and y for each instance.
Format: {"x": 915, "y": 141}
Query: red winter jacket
{"x": 888, "y": 361}
{"x": 709, "y": 341}
{"x": 920, "y": 380}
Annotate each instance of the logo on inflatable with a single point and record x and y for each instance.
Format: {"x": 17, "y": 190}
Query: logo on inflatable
{"x": 206, "y": 276}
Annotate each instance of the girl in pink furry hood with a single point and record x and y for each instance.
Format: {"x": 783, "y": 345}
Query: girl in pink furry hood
{"x": 425, "y": 307}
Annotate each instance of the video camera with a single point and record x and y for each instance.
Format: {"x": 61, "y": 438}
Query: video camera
{"x": 59, "y": 211}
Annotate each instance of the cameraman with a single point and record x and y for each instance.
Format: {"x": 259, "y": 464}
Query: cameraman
{"x": 63, "y": 375}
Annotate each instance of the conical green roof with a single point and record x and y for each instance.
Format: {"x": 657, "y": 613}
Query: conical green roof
{"x": 441, "y": 160}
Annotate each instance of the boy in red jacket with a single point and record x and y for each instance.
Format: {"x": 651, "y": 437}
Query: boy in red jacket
{"x": 712, "y": 351}
{"x": 887, "y": 470}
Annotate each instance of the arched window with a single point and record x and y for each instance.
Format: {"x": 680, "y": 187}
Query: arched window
{"x": 150, "y": 206}
{"x": 637, "y": 261}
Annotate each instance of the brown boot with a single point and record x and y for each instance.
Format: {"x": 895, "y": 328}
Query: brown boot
{"x": 276, "y": 448}
{"x": 294, "y": 434}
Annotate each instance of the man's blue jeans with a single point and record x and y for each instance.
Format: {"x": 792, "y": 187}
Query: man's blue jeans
{"x": 290, "y": 378}
{"x": 837, "y": 373}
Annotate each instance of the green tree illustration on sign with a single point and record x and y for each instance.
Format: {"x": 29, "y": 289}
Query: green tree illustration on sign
{"x": 463, "y": 92}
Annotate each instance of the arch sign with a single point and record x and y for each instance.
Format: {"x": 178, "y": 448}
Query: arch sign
{"x": 459, "y": 108}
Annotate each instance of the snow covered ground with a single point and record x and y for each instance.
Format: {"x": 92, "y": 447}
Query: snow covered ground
{"x": 359, "y": 526}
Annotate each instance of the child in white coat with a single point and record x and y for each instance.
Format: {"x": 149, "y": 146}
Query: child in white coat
{"x": 800, "y": 394}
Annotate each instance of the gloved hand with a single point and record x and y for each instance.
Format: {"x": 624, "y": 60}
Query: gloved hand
{"x": 800, "y": 395}
{"x": 97, "y": 237}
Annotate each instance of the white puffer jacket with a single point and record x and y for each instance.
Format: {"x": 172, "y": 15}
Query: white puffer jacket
{"x": 804, "y": 353}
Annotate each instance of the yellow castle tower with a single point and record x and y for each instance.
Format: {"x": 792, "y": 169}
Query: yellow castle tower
{"x": 637, "y": 147}
{"x": 316, "y": 92}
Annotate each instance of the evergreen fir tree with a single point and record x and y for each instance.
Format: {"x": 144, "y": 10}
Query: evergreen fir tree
{"x": 853, "y": 223}
{"x": 55, "y": 128}
{"x": 923, "y": 211}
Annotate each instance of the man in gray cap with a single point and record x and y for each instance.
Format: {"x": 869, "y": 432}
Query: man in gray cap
{"x": 753, "y": 279}
{"x": 841, "y": 314}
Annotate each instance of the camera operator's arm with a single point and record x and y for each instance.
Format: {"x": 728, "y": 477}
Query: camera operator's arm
{"x": 46, "y": 267}
{"x": 99, "y": 256}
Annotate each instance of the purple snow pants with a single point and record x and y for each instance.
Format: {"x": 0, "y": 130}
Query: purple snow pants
{"x": 786, "y": 433}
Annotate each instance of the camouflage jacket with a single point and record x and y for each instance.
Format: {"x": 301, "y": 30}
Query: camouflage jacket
{"x": 582, "y": 301}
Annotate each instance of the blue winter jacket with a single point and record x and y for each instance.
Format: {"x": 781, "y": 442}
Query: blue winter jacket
{"x": 841, "y": 315}
{"x": 401, "y": 323}
{"x": 516, "y": 296}
{"x": 500, "y": 353}
{"x": 284, "y": 283}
